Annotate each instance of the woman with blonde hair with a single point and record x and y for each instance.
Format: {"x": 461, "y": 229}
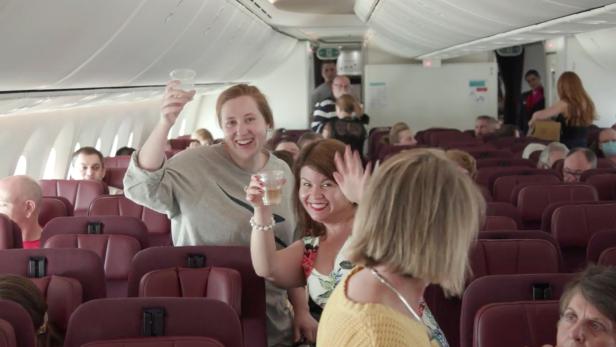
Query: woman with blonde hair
{"x": 414, "y": 227}
{"x": 575, "y": 111}
{"x": 465, "y": 161}
{"x": 23, "y": 292}
{"x": 401, "y": 134}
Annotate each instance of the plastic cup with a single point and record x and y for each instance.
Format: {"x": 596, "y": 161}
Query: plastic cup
{"x": 186, "y": 78}
{"x": 272, "y": 181}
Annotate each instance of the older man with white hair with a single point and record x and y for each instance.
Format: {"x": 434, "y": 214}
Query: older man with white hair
{"x": 20, "y": 200}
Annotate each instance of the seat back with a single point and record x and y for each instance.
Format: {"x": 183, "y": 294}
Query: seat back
{"x": 10, "y": 234}
{"x": 114, "y": 177}
{"x": 608, "y": 257}
{"x": 533, "y": 200}
{"x": 154, "y": 322}
{"x": 79, "y": 193}
{"x": 504, "y": 162}
{"x": 507, "y": 288}
{"x": 504, "y": 186}
{"x": 16, "y": 328}
{"x": 231, "y": 257}
{"x": 513, "y": 256}
{"x": 52, "y": 207}
{"x": 158, "y": 225}
{"x": 183, "y": 341}
{"x": 573, "y": 226}
{"x": 599, "y": 242}
{"x": 504, "y": 209}
{"x": 488, "y": 175}
{"x": 120, "y": 161}
{"x": 218, "y": 283}
{"x": 514, "y": 324}
{"x": 385, "y": 151}
{"x": 519, "y": 235}
{"x": 489, "y": 153}
{"x": 546, "y": 218}
{"x": 375, "y": 141}
{"x": 114, "y": 239}
{"x": 499, "y": 223}
{"x": 605, "y": 185}
{"x": 63, "y": 295}
{"x": 81, "y": 265}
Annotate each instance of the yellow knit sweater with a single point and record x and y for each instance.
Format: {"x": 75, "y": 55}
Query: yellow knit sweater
{"x": 348, "y": 323}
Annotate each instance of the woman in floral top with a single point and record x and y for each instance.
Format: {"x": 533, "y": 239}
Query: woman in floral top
{"x": 329, "y": 181}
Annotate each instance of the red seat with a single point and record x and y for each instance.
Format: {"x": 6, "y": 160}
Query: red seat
{"x": 158, "y": 225}
{"x": 16, "y": 328}
{"x": 546, "y": 218}
{"x": 493, "y": 257}
{"x": 505, "y": 186}
{"x": 218, "y": 283}
{"x": 63, "y": 295}
{"x": 605, "y": 185}
{"x": 599, "y": 171}
{"x": 385, "y": 151}
{"x": 574, "y": 225}
{"x": 114, "y": 177}
{"x": 604, "y": 163}
{"x": 121, "y": 161}
{"x": 608, "y": 257}
{"x": 7, "y": 334}
{"x": 10, "y": 234}
{"x": 504, "y": 209}
{"x": 375, "y": 141}
{"x": 466, "y": 144}
{"x": 114, "y": 239}
{"x": 599, "y": 242}
{"x": 515, "y": 324}
{"x": 489, "y": 153}
{"x": 499, "y": 223}
{"x": 504, "y": 162}
{"x": 488, "y": 175}
{"x": 79, "y": 193}
{"x": 507, "y": 288}
{"x": 442, "y": 138}
{"x": 155, "y": 322}
{"x": 52, "y": 207}
{"x": 533, "y": 200}
{"x": 179, "y": 144}
{"x": 231, "y": 257}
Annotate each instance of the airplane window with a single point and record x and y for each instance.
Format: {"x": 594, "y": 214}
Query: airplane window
{"x": 130, "y": 139}
{"x": 114, "y": 146}
{"x": 98, "y": 144}
{"x": 51, "y": 165}
{"x": 21, "y": 167}
{"x": 183, "y": 127}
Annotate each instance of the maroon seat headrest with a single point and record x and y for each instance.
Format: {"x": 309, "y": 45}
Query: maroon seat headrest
{"x": 79, "y": 193}
{"x": 504, "y": 209}
{"x": 10, "y": 234}
{"x": 499, "y": 223}
{"x": 218, "y": 283}
{"x": 608, "y": 257}
{"x": 506, "y": 187}
{"x": 533, "y": 200}
{"x": 7, "y": 334}
{"x": 514, "y": 324}
{"x": 21, "y": 330}
{"x": 118, "y": 205}
{"x": 599, "y": 242}
{"x": 121, "y": 318}
{"x": 121, "y": 161}
{"x": 62, "y": 294}
{"x": 188, "y": 341}
{"x": 114, "y": 177}
{"x": 504, "y": 162}
{"x": 573, "y": 225}
{"x": 52, "y": 207}
{"x": 605, "y": 185}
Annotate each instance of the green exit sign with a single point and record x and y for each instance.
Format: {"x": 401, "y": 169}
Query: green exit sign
{"x": 328, "y": 53}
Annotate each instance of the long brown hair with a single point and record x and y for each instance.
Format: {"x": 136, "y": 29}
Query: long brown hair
{"x": 23, "y": 292}
{"x": 580, "y": 108}
{"x": 319, "y": 156}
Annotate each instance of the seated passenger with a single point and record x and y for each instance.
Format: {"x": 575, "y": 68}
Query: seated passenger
{"x": 326, "y": 190}
{"x": 465, "y": 161}
{"x": 20, "y": 200}
{"x": 485, "y": 125}
{"x": 23, "y": 292}
{"x": 578, "y": 161}
{"x": 287, "y": 145}
{"x": 87, "y": 164}
{"x": 346, "y": 127}
{"x": 414, "y": 227}
{"x": 550, "y": 154}
{"x": 588, "y": 310}
{"x": 308, "y": 138}
{"x": 400, "y": 134}
{"x": 607, "y": 144}
{"x": 204, "y": 137}
{"x": 124, "y": 151}
{"x": 532, "y": 148}
{"x": 507, "y": 130}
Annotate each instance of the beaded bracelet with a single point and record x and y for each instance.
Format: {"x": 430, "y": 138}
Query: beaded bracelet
{"x": 259, "y": 227}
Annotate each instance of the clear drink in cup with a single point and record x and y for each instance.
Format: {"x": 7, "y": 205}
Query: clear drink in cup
{"x": 272, "y": 185}
{"x": 186, "y": 78}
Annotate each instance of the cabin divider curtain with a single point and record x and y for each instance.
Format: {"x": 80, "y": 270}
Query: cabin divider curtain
{"x": 511, "y": 70}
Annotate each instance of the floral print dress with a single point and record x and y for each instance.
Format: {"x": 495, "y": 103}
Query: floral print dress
{"x": 321, "y": 286}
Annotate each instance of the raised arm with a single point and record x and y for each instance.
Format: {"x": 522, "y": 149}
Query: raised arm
{"x": 152, "y": 153}
{"x": 554, "y": 110}
{"x": 282, "y": 267}
{"x": 350, "y": 174}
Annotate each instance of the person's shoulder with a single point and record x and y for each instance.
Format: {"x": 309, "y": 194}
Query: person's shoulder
{"x": 275, "y": 163}
{"x": 204, "y": 155}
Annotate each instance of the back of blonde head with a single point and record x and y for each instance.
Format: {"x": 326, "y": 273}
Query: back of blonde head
{"x": 422, "y": 216}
